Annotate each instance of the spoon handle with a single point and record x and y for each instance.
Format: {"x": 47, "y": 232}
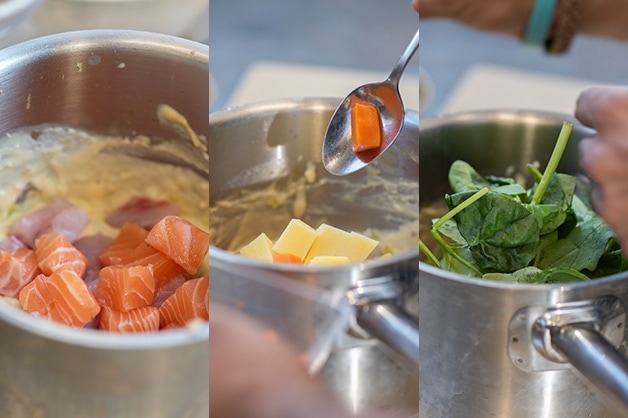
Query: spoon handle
{"x": 412, "y": 47}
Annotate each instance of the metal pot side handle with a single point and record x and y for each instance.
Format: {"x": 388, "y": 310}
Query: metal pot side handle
{"x": 380, "y": 314}
{"x": 586, "y": 335}
{"x": 393, "y": 327}
{"x": 596, "y": 359}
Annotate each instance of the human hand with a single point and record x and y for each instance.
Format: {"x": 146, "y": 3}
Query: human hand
{"x": 509, "y": 17}
{"x": 603, "y": 156}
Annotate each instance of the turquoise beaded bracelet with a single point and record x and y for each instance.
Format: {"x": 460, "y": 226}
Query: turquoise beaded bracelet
{"x": 540, "y": 22}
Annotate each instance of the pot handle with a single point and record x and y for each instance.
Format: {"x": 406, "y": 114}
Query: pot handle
{"x": 393, "y": 327}
{"x": 379, "y": 313}
{"x": 586, "y": 335}
{"x": 596, "y": 359}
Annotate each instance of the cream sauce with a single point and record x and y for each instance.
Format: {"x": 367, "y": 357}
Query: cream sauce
{"x": 95, "y": 172}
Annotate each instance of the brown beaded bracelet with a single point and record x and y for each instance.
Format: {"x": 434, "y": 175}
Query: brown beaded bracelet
{"x": 567, "y": 18}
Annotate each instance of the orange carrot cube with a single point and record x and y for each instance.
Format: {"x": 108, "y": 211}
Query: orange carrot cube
{"x": 366, "y": 127}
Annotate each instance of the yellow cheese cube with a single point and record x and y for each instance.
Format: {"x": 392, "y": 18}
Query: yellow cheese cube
{"x": 260, "y": 248}
{"x": 295, "y": 239}
{"x": 328, "y": 260}
{"x": 332, "y": 241}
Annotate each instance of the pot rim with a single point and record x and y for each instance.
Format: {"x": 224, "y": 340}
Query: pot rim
{"x": 50, "y": 45}
{"x": 455, "y": 277}
{"x": 236, "y": 112}
{"x": 99, "y": 339}
{"x": 276, "y": 105}
{"x": 228, "y": 258}
{"x": 492, "y": 115}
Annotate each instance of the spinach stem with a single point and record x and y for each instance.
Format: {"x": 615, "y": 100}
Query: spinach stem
{"x": 535, "y": 172}
{"x": 447, "y": 248}
{"x": 552, "y": 165}
{"x": 428, "y": 253}
{"x": 449, "y": 215}
{"x": 459, "y": 208}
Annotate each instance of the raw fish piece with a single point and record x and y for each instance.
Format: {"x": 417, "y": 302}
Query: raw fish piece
{"x": 144, "y": 319}
{"x": 35, "y": 297}
{"x": 17, "y": 268}
{"x": 167, "y": 289}
{"x": 129, "y": 237}
{"x": 180, "y": 240}
{"x": 123, "y": 288}
{"x": 164, "y": 268}
{"x": 142, "y": 211}
{"x": 55, "y": 252}
{"x": 189, "y": 301}
{"x": 11, "y": 243}
{"x": 63, "y": 297}
{"x": 60, "y": 216}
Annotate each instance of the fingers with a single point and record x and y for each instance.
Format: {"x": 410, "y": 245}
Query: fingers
{"x": 604, "y": 161}
{"x": 431, "y": 8}
{"x": 603, "y": 108}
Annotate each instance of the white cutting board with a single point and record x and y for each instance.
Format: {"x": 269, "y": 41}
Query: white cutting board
{"x": 495, "y": 87}
{"x": 267, "y": 80}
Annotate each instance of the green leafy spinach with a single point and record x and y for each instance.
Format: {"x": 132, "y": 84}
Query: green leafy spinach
{"x": 499, "y": 230}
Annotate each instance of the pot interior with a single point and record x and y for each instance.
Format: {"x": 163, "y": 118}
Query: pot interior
{"x": 265, "y": 170}
{"x": 80, "y": 119}
{"x": 497, "y": 143}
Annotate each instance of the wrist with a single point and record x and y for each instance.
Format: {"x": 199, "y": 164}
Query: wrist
{"x": 605, "y": 18}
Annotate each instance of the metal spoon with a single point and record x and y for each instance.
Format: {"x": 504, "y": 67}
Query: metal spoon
{"x": 338, "y": 155}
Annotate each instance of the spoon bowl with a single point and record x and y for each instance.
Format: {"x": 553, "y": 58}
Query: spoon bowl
{"x": 338, "y": 156}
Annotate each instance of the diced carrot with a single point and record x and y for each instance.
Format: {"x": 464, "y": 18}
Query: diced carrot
{"x": 54, "y": 252}
{"x": 35, "y": 298}
{"x": 73, "y": 303}
{"x": 189, "y": 301}
{"x": 143, "y": 319}
{"x": 129, "y": 237}
{"x": 286, "y": 258}
{"x": 125, "y": 287}
{"x": 180, "y": 240}
{"x": 366, "y": 127}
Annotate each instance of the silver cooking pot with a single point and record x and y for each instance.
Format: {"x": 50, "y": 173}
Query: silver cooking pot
{"x": 106, "y": 82}
{"x": 503, "y": 349}
{"x": 264, "y": 170}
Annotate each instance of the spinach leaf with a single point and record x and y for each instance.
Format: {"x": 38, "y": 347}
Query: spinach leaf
{"x": 463, "y": 177}
{"x": 549, "y": 217}
{"x": 535, "y": 275}
{"x": 524, "y": 275}
{"x": 562, "y": 275}
{"x": 450, "y": 230}
{"x": 581, "y": 249}
{"x": 500, "y": 232}
{"x": 451, "y": 263}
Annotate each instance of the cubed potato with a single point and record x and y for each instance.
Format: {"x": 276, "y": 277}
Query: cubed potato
{"x": 328, "y": 260}
{"x": 295, "y": 239}
{"x": 260, "y": 248}
{"x": 332, "y": 241}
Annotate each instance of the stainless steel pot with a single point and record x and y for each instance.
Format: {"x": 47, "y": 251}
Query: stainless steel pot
{"x": 277, "y": 146}
{"x": 106, "y": 82}
{"x": 500, "y": 349}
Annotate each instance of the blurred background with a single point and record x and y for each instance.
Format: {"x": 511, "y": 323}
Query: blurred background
{"x": 284, "y": 48}
{"x": 21, "y": 20}
{"x": 290, "y": 48}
